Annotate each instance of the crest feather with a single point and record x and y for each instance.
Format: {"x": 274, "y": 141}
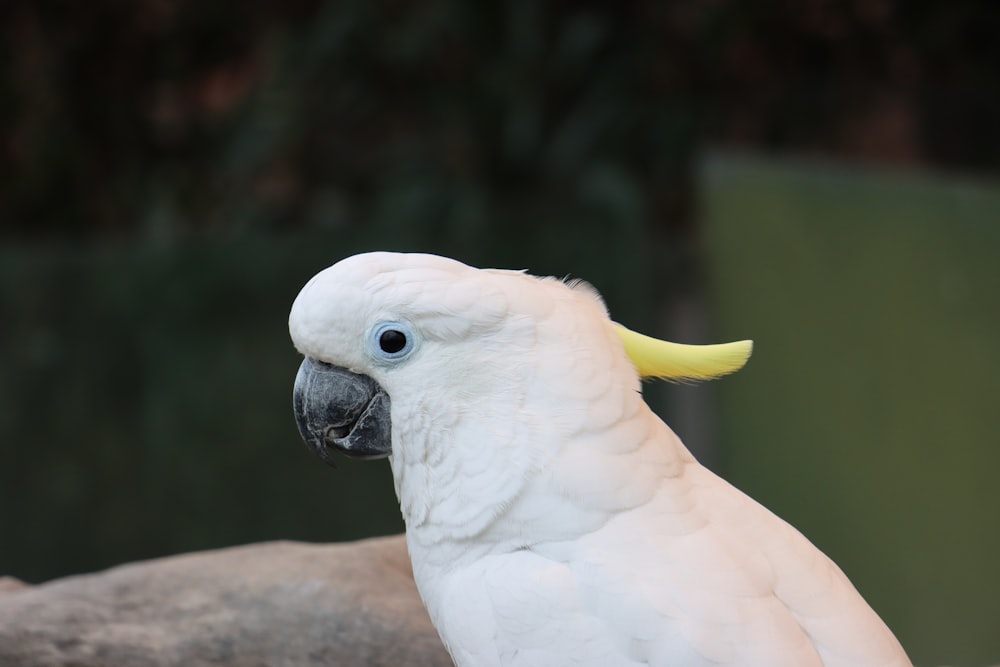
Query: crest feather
{"x": 655, "y": 358}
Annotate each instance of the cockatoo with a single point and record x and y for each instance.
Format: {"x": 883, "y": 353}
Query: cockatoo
{"x": 552, "y": 519}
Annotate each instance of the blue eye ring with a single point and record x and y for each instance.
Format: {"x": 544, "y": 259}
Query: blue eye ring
{"x": 392, "y": 341}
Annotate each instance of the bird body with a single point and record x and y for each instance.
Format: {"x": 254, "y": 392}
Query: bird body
{"x": 551, "y": 517}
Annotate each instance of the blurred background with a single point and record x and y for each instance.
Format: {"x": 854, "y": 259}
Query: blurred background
{"x": 820, "y": 176}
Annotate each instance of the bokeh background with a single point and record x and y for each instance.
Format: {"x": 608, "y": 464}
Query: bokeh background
{"x": 820, "y": 176}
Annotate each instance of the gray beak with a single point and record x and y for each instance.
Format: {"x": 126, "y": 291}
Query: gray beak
{"x": 336, "y": 409}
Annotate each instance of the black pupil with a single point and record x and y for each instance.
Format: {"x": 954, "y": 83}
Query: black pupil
{"x": 392, "y": 341}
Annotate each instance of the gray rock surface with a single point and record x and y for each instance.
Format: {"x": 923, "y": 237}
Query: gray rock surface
{"x": 274, "y": 604}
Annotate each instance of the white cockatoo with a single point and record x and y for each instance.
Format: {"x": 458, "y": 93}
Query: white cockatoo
{"x": 552, "y": 518}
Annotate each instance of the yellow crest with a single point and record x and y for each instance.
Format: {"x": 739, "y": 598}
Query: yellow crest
{"x": 655, "y": 358}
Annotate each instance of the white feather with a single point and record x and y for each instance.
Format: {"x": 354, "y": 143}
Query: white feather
{"x": 552, "y": 518}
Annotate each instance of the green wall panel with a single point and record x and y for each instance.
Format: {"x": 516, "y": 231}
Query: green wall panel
{"x": 868, "y": 416}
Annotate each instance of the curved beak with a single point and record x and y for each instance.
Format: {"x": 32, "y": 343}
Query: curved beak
{"x": 336, "y": 409}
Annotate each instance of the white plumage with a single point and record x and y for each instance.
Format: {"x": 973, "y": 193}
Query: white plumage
{"x": 552, "y": 518}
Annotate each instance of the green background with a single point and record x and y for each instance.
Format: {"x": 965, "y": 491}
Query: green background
{"x": 868, "y": 416}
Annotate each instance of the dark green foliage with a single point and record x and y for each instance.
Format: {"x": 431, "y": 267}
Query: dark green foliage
{"x": 157, "y": 120}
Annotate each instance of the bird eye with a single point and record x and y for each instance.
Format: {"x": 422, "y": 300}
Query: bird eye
{"x": 391, "y": 341}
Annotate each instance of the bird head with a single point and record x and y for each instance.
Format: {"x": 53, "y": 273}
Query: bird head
{"x": 470, "y": 380}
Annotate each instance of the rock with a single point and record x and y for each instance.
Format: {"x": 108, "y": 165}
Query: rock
{"x": 281, "y": 603}
{"x": 10, "y": 584}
